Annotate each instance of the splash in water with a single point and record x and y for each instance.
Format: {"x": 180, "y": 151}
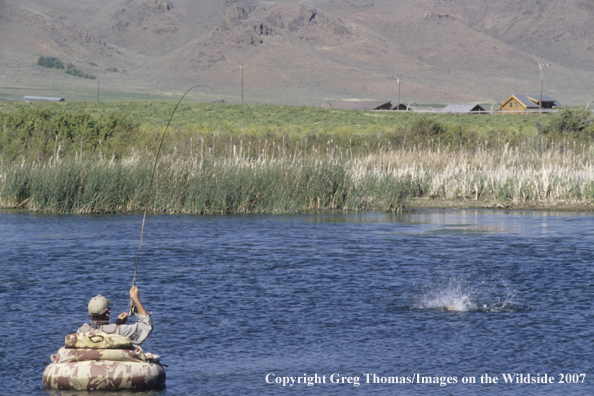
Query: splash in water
{"x": 448, "y": 299}
{"x": 457, "y": 297}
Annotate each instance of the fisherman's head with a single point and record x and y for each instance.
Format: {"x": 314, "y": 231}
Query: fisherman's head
{"x": 99, "y": 308}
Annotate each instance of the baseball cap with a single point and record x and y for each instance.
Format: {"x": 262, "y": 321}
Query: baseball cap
{"x": 99, "y": 305}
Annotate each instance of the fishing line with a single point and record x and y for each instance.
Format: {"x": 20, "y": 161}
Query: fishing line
{"x": 131, "y": 306}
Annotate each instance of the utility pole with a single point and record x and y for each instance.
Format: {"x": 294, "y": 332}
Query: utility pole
{"x": 398, "y": 81}
{"x": 241, "y": 66}
{"x": 541, "y": 66}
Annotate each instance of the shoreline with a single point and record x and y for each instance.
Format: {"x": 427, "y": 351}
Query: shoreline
{"x": 427, "y": 203}
{"x": 414, "y": 203}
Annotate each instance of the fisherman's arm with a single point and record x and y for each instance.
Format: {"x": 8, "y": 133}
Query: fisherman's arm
{"x": 135, "y": 296}
{"x": 137, "y": 332}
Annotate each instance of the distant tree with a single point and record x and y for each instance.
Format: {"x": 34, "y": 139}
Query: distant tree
{"x": 78, "y": 73}
{"x": 50, "y": 61}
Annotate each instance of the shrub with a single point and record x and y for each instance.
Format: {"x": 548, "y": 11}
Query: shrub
{"x": 50, "y": 61}
{"x": 569, "y": 123}
{"x": 38, "y": 132}
{"x": 70, "y": 69}
{"x": 427, "y": 128}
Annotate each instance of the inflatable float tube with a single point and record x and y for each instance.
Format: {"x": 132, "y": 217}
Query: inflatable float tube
{"x": 118, "y": 365}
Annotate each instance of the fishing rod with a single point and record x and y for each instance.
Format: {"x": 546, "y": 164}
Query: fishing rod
{"x": 132, "y": 308}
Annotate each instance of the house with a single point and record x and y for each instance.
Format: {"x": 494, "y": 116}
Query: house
{"x": 464, "y": 109}
{"x": 528, "y": 103}
{"x": 51, "y": 99}
{"x": 357, "y": 105}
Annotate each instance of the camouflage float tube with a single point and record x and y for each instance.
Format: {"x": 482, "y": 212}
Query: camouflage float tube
{"x": 103, "y": 361}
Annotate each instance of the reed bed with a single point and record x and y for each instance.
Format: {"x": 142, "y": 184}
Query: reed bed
{"x": 510, "y": 176}
{"x": 386, "y": 180}
{"x": 198, "y": 186}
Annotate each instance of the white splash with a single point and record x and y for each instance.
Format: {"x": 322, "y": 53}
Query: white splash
{"x": 458, "y": 297}
{"x": 449, "y": 299}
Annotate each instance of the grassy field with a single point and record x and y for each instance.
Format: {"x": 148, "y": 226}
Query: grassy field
{"x": 236, "y": 118}
{"x": 86, "y": 157}
{"x": 36, "y": 130}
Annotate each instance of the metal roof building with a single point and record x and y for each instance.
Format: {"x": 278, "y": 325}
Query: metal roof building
{"x": 401, "y": 107}
{"x": 51, "y": 99}
{"x": 358, "y": 105}
{"x": 463, "y": 109}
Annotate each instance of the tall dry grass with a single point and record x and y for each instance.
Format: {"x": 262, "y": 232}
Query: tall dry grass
{"x": 327, "y": 178}
{"x": 504, "y": 176}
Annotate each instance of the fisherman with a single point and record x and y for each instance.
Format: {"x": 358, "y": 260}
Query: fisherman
{"x": 99, "y": 311}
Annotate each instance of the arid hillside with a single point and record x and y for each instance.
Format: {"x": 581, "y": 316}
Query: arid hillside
{"x": 303, "y": 52}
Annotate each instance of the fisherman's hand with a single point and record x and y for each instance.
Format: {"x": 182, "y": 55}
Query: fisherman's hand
{"x": 122, "y": 318}
{"x": 134, "y": 294}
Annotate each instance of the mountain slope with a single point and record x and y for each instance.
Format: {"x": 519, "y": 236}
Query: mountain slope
{"x": 446, "y": 51}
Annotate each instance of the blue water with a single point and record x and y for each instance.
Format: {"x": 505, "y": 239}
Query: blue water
{"x": 237, "y": 300}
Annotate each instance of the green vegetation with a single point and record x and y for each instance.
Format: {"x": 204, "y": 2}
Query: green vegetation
{"x": 571, "y": 124}
{"x": 55, "y": 63}
{"x": 33, "y": 130}
{"x": 70, "y": 69}
{"x": 112, "y": 69}
{"x": 198, "y": 187}
{"x": 50, "y": 61}
{"x": 221, "y": 158}
{"x": 41, "y": 133}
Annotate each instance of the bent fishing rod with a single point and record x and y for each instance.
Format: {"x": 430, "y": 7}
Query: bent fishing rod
{"x": 131, "y": 307}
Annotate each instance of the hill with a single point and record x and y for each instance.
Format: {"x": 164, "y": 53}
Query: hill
{"x": 302, "y": 52}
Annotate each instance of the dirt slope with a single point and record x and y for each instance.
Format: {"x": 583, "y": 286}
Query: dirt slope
{"x": 447, "y": 51}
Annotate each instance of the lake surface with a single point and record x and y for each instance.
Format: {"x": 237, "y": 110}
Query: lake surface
{"x": 440, "y": 296}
